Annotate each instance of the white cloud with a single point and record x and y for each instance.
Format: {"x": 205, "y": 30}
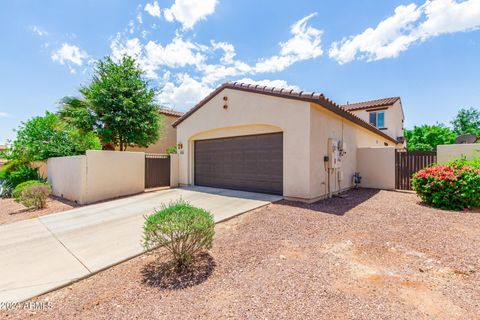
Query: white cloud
{"x": 408, "y": 25}
{"x": 305, "y": 44}
{"x": 131, "y": 47}
{"x": 3, "y": 114}
{"x": 69, "y": 54}
{"x": 153, "y": 9}
{"x": 189, "y": 12}
{"x": 185, "y": 95}
{"x": 177, "y": 53}
{"x": 39, "y": 31}
{"x": 269, "y": 83}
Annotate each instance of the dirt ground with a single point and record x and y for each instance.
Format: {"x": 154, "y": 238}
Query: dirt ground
{"x": 370, "y": 255}
{"x": 11, "y": 211}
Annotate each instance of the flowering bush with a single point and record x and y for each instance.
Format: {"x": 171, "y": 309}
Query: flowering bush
{"x": 455, "y": 185}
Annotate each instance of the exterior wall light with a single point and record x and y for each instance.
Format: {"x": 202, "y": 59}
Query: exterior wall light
{"x": 180, "y": 146}
{"x": 225, "y": 100}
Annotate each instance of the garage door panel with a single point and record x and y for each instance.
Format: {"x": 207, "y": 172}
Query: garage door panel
{"x": 252, "y": 163}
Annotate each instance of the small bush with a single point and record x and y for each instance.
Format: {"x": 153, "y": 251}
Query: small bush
{"x": 185, "y": 231}
{"x": 172, "y": 149}
{"x": 13, "y": 173}
{"x": 455, "y": 185}
{"x": 17, "y": 192}
{"x": 35, "y": 196}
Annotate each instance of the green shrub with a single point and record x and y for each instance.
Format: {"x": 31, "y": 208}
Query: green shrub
{"x": 455, "y": 185}
{"x": 35, "y": 196}
{"x": 13, "y": 173}
{"x": 172, "y": 149}
{"x": 17, "y": 192}
{"x": 185, "y": 231}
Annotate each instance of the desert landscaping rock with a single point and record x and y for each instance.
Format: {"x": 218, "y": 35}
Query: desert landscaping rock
{"x": 371, "y": 255}
{"x": 11, "y": 211}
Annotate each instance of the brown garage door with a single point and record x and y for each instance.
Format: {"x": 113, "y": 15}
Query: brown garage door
{"x": 250, "y": 163}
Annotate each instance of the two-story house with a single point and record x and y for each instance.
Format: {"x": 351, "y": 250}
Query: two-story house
{"x": 385, "y": 114}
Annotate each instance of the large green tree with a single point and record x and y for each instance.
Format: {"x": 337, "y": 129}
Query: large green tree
{"x": 118, "y": 105}
{"x": 467, "y": 121}
{"x": 48, "y": 136}
{"x": 427, "y": 137}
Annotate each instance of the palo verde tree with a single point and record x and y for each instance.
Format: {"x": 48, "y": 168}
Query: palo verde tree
{"x": 118, "y": 105}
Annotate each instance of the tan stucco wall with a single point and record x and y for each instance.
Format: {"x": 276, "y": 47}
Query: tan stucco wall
{"x": 168, "y": 137}
{"x": 393, "y": 120}
{"x": 174, "y": 170}
{"x": 377, "y": 167}
{"x": 68, "y": 176}
{"x": 325, "y": 125}
{"x": 306, "y": 129}
{"x": 112, "y": 174}
{"x": 99, "y": 175}
{"x": 447, "y": 152}
{"x": 250, "y": 113}
{"x": 42, "y": 168}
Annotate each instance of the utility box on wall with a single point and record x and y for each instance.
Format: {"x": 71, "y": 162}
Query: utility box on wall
{"x": 334, "y": 158}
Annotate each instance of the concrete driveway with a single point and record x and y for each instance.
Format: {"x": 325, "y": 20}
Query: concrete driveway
{"x": 42, "y": 254}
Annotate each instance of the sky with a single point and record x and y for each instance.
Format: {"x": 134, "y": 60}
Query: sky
{"x": 426, "y": 52}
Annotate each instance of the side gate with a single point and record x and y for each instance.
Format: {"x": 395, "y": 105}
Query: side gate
{"x": 157, "y": 170}
{"x": 407, "y": 163}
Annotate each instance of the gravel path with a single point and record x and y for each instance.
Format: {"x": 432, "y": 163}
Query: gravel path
{"x": 11, "y": 211}
{"x": 370, "y": 255}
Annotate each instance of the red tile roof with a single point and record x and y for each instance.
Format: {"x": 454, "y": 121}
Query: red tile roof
{"x": 370, "y": 104}
{"x": 172, "y": 113}
{"x": 313, "y": 97}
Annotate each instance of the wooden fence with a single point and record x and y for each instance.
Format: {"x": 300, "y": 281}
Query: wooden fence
{"x": 407, "y": 163}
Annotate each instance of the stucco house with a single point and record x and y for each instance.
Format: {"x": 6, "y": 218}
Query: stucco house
{"x": 385, "y": 114}
{"x": 298, "y": 144}
{"x": 168, "y": 134}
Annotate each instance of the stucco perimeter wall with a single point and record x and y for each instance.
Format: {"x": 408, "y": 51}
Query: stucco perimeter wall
{"x": 377, "y": 167}
{"x": 325, "y": 125}
{"x": 447, "y": 152}
{"x": 68, "y": 176}
{"x": 97, "y": 176}
{"x": 250, "y": 113}
{"x": 112, "y": 174}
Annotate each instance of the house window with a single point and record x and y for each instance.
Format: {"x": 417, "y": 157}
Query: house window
{"x": 377, "y": 119}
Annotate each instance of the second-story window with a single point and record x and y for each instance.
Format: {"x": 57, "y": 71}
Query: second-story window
{"x": 377, "y": 119}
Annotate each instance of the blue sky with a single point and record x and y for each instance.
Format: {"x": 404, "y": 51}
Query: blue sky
{"x": 426, "y": 52}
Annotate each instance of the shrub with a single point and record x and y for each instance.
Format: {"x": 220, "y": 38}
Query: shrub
{"x": 455, "y": 185}
{"x": 35, "y": 196}
{"x": 13, "y": 173}
{"x": 172, "y": 149}
{"x": 17, "y": 192}
{"x": 185, "y": 231}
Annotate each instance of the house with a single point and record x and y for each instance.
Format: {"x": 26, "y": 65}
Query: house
{"x": 2, "y": 161}
{"x": 256, "y": 138}
{"x": 168, "y": 135}
{"x": 385, "y": 114}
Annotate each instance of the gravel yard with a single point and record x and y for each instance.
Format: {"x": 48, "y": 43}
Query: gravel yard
{"x": 371, "y": 255}
{"x": 11, "y": 211}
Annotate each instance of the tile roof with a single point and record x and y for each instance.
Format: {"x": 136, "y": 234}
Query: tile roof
{"x": 172, "y": 113}
{"x": 370, "y": 104}
{"x": 313, "y": 97}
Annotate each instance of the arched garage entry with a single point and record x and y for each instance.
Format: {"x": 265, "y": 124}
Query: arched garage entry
{"x": 251, "y": 162}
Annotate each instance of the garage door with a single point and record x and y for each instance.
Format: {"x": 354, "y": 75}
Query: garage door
{"x": 250, "y": 163}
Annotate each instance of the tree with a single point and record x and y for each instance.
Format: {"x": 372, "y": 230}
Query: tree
{"x": 467, "y": 121}
{"x": 44, "y": 137}
{"x": 117, "y": 105}
{"x": 426, "y": 137}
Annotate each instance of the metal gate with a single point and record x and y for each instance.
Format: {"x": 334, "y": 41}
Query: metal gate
{"x": 409, "y": 162}
{"x": 157, "y": 170}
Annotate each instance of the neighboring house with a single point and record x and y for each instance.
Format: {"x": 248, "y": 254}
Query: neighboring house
{"x": 168, "y": 134}
{"x": 2, "y": 161}
{"x": 248, "y": 137}
{"x": 385, "y": 114}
